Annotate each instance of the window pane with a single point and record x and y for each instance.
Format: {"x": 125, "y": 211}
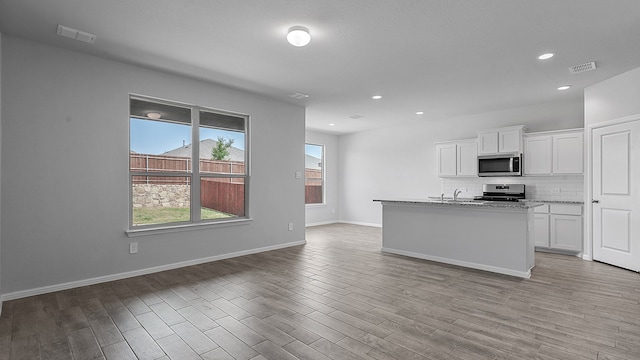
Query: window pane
{"x": 313, "y": 174}
{"x": 160, "y": 199}
{"x": 222, "y": 151}
{"x": 159, "y": 146}
{"x": 161, "y": 112}
{"x": 221, "y": 121}
{"x": 221, "y": 198}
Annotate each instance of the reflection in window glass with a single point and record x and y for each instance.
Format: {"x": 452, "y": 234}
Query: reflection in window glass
{"x": 314, "y": 174}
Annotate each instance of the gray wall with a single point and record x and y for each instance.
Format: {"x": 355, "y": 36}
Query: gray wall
{"x": 65, "y": 169}
{"x": 0, "y": 171}
{"x": 328, "y": 212}
{"x": 613, "y": 98}
{"x": 400, "y": 162}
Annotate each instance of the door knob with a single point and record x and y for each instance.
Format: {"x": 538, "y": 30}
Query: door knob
{"x": 595, "y": 201}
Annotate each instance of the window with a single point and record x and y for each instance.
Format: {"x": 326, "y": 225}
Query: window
{"x": 313, "y": 174}
{"x": 167, "y": 186}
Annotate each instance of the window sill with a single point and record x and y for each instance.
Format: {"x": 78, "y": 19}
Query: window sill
{"x": 315, "y": 205}
{"x": 185, "y": 227}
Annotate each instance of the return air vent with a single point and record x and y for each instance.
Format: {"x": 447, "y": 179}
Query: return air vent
{"x": 583, "y": 67}
{"x": 297, "y": 95}
{"x": 76, "y": 34}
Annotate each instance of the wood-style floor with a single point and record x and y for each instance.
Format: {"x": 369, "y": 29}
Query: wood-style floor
{"x": 340, "y": 298}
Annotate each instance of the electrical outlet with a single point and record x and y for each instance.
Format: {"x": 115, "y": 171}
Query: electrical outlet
{"x": 290, "y": 226}
{"x": 133, "y": 247}
{"x": 555, "y": 190}
{"x": 298, "y": 175}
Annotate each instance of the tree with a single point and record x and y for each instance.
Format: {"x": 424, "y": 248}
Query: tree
{"x": 221, "y": 150}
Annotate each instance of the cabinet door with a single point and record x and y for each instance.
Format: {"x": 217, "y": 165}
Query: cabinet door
{"x": 537, "y": 155}
{"x": 541, "y": 230}
{"x": 567, "y": 153}
{"x": 467, "y": 158}
{"x": 446, "y": 159}
{"x": 566, "y": 232}
{"x": 487, "y": 143}
{"x": 509, "y": 141}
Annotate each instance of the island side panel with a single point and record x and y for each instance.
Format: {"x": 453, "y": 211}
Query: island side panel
{"x": 492, "y": 239}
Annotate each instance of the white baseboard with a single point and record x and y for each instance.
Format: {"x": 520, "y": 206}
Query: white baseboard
{"x": 520, "y": 274}
{"x": 74, "y": 284}
{"x": 360, "y": 223}
{"x": 321, "y": 223}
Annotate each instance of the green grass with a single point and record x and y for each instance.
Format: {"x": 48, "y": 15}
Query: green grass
{"x": 161, "y": 215}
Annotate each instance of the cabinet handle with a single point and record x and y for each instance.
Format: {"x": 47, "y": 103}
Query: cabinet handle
{"x": 595, "y": 201}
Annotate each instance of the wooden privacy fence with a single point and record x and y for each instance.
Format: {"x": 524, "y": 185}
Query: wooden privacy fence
{"x": 226, "y": 194}
{"x": 312, "y": 186}
{"x": 166, "y": 163}
{"x": 222, "y": 196}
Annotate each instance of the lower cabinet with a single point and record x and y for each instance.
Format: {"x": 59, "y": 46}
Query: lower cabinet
{"x": 558, "y": 227}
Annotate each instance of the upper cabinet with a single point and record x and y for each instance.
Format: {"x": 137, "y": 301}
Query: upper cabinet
{"x": 554, "y": 152}
{"x": 537, "y": 155}
{"x": 457, "y": 158}
{"x": 500, "y": 141}
{"x": 446, "y": 159}
{"x": 568, "y": 153}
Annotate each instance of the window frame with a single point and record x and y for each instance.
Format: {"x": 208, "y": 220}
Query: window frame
{"x": 324, "y": 175}
{"x": 193, "y": 174}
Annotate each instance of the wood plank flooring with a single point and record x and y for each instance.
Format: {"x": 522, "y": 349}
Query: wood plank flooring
{"x": 340, "y": 298}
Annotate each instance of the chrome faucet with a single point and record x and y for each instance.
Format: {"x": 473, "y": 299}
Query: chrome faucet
{"x": 456, "y": 192}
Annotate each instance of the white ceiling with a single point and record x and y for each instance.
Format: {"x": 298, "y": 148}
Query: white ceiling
{"x": 444, "y": 57}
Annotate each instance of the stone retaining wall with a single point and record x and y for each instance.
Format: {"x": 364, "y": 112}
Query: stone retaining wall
{"x": 156, "y": 195}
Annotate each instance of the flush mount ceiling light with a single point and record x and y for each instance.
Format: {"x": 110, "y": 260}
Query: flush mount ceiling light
{"x": 376, "y": 97}
{"x": 298, "y": 36}
{"x": 564, "y": 87}
{"x": 154, "y": 115}
{"x": 419, "y": 112}
{"x": 546, "y": 56}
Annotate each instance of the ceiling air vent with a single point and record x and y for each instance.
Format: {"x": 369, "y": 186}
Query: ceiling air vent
{"x": 356, "y": 117}
{"x": 297, "y": 95}
{"x": 583, "y": 67}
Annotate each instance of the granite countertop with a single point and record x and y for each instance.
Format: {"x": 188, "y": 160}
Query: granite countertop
{"x": 464, "y": 203}
{"x": 554, "y": 201}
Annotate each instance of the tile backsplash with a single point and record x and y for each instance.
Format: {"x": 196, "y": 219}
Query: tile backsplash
{"x": 553, "y": 188}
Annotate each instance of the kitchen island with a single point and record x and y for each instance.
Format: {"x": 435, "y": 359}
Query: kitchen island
{"x": 486, "y": 235}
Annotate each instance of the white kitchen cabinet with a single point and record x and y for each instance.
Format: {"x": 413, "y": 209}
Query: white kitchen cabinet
{"x": 467, "y": 158}
{"x": 558, "y": 227}
{"x": 446, "y": 159}
{"x": 568, "y": 153}
{"x": 537, "y": 155}
{"x": 541, "y": 226}
{"x": 557, "y": 152}
{"x": 500, "y": 141}
{"x": 457, "y": 158}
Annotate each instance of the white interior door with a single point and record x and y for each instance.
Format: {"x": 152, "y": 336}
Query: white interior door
{"x": 616, "y": 194}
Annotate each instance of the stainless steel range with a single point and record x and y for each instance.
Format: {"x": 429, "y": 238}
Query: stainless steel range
{"x": 502, "y": 192}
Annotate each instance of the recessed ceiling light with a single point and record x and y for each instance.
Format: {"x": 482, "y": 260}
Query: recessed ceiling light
{"x": 419, "y": 112}
{"x": 298, "y": 36}
{"x": 376, "y": 97}
{"x": 154, "y": 115}
{"x": 546, "y": 56}
{"x": 332, "y": 124}
{"x": 564, "y": 87}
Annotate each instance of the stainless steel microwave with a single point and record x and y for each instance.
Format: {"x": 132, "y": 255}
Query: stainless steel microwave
{"x": 500, "y": 165}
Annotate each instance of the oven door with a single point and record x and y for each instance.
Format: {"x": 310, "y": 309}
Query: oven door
{"x": 499, "y": 165}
